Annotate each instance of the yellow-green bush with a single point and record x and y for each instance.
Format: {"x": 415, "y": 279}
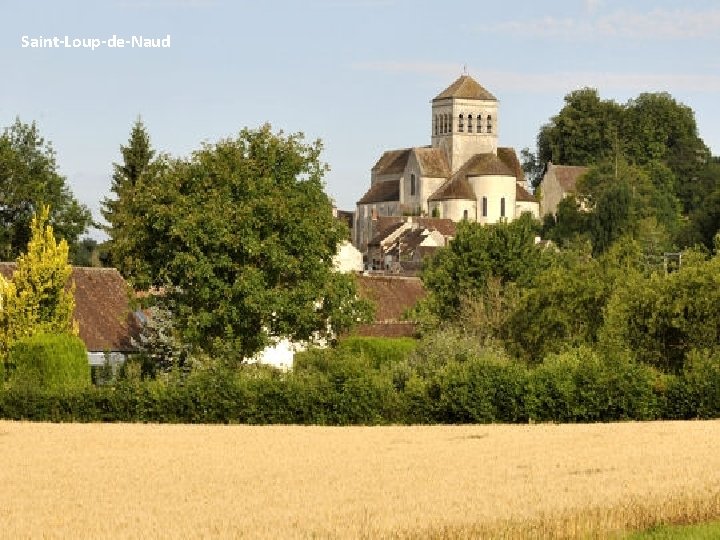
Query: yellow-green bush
{"x": 49, "y": 361}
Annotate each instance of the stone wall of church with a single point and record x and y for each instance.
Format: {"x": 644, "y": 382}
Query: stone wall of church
{"x": 495, "y": 189}
{"x": 455, "y": 209}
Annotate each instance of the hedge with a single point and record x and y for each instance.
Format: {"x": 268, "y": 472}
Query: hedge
{"x": 339, "y": 387}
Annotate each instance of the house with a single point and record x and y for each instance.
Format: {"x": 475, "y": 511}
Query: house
{"x": 402, "y": 243}
{"x": 102, "y": 311}
{"x": 393, "y": 296}
{"x": 558, "y": 182}
{"x": 462, "y": 174}
{"x": 347, "y": 259}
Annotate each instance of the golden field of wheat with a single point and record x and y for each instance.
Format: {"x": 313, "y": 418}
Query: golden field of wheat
{"x": 196, "y": 481}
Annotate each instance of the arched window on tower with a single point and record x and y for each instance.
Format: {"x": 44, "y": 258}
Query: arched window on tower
{"x": 489, "y": 124}
{"x": 448, "y": 123}
{"x": 469, "y": 123}
{"x": 461, "y": 124}
{"x": 435, "y": 124}
{"x": 412, "y": 184}
{"x": 478, "y": 124}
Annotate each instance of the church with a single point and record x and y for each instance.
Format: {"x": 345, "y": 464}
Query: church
{"x": 462, "y": 174}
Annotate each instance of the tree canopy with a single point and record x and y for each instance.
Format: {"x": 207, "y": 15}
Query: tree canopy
{"x": 240, "y": 237}
{"x": 29, "y": 179}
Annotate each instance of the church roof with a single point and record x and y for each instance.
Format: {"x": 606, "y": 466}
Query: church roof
{"x": 509, "y": 157}
{"x": 523, "y": 195}
{"x": 465, "y": 87}
{"x": 458, "y": 186}
{"x": 392, "y": 162}
{"x": 382, "y": 192}
{"x": 433, "y": 162}
{"x": 486, "y": 165}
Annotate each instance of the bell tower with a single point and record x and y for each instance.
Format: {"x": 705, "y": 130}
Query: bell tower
{"x": 464, "y": 121}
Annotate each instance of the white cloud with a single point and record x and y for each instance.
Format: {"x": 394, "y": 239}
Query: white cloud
{"x": 552, "y": 82}
{"x": 655, "y": 24}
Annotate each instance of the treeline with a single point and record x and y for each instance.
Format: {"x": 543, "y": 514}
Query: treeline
{"x": 445, "y": 378}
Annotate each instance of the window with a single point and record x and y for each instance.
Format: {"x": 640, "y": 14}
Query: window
{"x": 461, "y": 124}
{"x": 469, "y": 123}
{"x": 484, "y": 207}
{"x": 489, "y": 124}
{"x": 502, "y": 207}
{"x": 412, "y": 184}
{"x": 465, "y": 214}
{"x": 435, "y": 124}
{"x": 448, "y": 128}
{"x": 478, "y": 124}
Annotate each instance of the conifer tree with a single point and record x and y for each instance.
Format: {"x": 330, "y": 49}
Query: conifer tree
{"x": 36, "y": 299}
{"x": 120, "y": 211}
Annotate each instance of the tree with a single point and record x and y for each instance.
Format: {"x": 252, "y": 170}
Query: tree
{"x": 121, "y": 212}
{"x": 478, "y": 252}
{"x": 240, "y": 236}
{"x": 584, "y": 132}
{"x": 37, "y": 300}
{"x": 29, "y": 179}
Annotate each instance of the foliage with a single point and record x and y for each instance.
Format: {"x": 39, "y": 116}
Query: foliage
{"x": 37, "y": 299}
{"x": 29, "y": 179}
{"x": 696, "y": 393}
{"x": 581, "y": 386}
{"x": 506, "y": 251}
{"x": 49, "y": 361}
{"x": 241, "y": 238}
{"x": 159, "y": 345}
{"x": 661, "y": 317}
{"x": 123, "y": 212}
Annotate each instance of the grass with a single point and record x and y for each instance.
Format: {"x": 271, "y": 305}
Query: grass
{"x": 444, "y": 482}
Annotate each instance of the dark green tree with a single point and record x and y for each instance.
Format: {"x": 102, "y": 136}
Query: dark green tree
{"x": 241, "y": 237}
{"x": 505, "y": 251}
{"x": 29, "y": 179}
{"x": 584, "y": 132}
{"x": 121, "y": 211}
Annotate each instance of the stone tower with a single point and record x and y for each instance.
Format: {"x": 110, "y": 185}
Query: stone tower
{"x": 464, "y": 121}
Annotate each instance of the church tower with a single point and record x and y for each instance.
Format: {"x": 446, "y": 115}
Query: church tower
{"x": 464, "y": 121}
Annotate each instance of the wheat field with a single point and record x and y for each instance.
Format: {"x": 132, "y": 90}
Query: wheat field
{"x": 196, "y": 481}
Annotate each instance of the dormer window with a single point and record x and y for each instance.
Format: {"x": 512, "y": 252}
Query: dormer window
{"x": 489, "y": 124}
{"x": 469, "y": 123}
{"x": 461, "y": 124}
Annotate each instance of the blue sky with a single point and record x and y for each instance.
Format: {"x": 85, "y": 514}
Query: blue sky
{"x": 358, "y": 74}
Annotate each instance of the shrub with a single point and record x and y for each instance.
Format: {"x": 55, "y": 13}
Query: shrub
{"x": 50, "y": 361}
{"x": 696, "y": 392}
{"x": 487, "y": 388}
{"x": 381, "y": 351}
{"x": 581, "y": 386}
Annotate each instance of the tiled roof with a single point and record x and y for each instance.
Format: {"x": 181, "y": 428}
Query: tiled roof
{"x": 523, "y": 195}
{"x": 486, "y": 165}
{"x": 568, "y": 175}
{"x": 382, "y": 192}
{"x": 433, "y": 162}
{"x": 383, "y": 233}
{"x": 456, "y": 188}
{"x": 465, "y": 87}
{"x": 446, "y": 227}
{"x": 392, "y": 162}
{"x": 101, "y": 308}
{"x": 509, "y": 157}
{"x": 391, "y": 295}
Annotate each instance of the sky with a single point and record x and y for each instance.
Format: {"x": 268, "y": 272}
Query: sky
{"x": 357, "y": 74}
